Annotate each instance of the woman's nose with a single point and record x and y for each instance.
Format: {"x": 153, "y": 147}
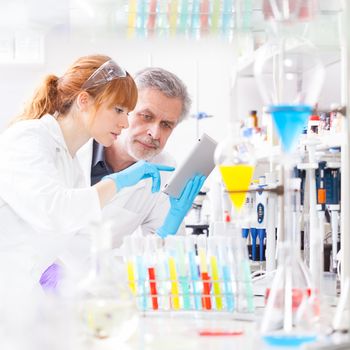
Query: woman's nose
{"x": 125, "y": 121}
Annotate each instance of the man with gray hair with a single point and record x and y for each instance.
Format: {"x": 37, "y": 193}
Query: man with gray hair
{"x": 163, "y": 102}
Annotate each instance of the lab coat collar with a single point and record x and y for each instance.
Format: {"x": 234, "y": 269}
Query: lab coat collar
{"x": 54, "y": 130}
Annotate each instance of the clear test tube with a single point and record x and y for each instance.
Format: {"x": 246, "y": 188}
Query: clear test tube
{"x": 182, "y": 272}
{"x": 150, "y": 262}
{"x": 204, "y": 273}
{"x": 138, "y": 243}
{"x": 195, "y": 285}
{"x": 240, "y": 261}
{"x": 129, "y": 258}
{"x": 170, "y": 249}
{"x": 216, "y": 276}
{"x": 226, "y": 272}
{"x": 163, "y": 285}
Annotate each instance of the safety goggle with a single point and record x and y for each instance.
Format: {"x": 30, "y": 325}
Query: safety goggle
{"x": 105, "y": 73}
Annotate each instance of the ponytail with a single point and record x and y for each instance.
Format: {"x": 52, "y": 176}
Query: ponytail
{"x": 44, "y": 101}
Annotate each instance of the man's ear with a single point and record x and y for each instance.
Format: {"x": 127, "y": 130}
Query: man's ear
{"x": 83, "y": 101}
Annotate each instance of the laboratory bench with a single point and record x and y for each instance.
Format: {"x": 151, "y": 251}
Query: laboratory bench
{"x": 192, "y": 331}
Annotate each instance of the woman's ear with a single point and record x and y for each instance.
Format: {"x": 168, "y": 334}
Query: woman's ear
{"x": 83, "y": 101}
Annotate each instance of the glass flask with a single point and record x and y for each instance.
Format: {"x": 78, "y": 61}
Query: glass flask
{"x": 105, "y": 305}
{"x": 289, "y": 10}
{"x": 291, "y": 312}
{"x": 235, "y": 159}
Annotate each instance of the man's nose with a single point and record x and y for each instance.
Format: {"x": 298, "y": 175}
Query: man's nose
{"x": 154, "y": 131}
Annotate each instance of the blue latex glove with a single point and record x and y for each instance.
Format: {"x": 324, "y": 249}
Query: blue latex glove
{"x": 137, "y": 172}
{"x": 51, "y": 277}
{"x": 180, "y": 206}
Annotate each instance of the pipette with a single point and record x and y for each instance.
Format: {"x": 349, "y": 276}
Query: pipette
{"x": 261, "y": 201}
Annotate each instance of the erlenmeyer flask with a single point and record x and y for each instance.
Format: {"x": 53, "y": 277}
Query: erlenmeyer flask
{"x": 289, "y": 315}
{"x": 288, "y": 11}
{"x": 293, "y": 304}
{"x": 105, "y": 305}
{"x": 235, "y": 159}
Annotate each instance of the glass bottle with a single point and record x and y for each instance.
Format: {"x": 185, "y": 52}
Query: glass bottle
{"x": 105, "y": 305}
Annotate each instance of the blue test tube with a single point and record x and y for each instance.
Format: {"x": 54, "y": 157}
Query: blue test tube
{"x": 138, "y": 243}
{"x": 183, "y": 278}
{"x": 193, "y": 267}
{"x": 223, "y": 248}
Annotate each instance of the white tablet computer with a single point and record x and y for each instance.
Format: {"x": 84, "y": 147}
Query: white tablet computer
{"x": 200, "y": 160}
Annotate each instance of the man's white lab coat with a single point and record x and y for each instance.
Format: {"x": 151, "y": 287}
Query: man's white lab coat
{"x": 136, "y": 207}
{"x": 44, "y": 200}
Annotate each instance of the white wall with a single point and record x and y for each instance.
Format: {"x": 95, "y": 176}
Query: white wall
{"x": 214, "y": 60}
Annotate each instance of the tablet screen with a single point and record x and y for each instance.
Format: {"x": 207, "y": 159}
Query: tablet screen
{"x": 200, "y": 160}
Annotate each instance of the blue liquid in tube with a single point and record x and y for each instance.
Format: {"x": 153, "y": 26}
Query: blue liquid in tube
{"x": 290, "y": 121}
{"x": 289, "y": 340}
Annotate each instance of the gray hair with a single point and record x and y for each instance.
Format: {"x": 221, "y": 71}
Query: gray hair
{"x": 167, "y": 83}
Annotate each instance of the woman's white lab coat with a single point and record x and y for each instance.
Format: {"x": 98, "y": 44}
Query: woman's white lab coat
{"x": 44, "y": 200}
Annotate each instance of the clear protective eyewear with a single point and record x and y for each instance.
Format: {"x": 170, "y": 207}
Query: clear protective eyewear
{"x": 107, "y": 72}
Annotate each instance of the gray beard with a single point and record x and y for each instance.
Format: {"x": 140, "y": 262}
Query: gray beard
{"x": 144, "y": 156}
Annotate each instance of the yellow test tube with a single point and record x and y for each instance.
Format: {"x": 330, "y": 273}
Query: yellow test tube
{"x": 173, "y": 15}
{"x": 132, "y": 17}
{"x": 216, "y": 283}
{"x": 174, "y": 284}
{"x": 131, "y": 276}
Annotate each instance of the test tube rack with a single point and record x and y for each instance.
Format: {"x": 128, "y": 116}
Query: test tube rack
{"x": 190, "y": 273}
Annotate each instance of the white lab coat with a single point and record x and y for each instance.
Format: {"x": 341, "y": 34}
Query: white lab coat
{"x": 44, "y": 200}
{"x": 136, "y": 207}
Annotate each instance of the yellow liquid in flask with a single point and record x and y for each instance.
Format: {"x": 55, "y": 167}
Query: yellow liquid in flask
{"x": 237, "y": 178}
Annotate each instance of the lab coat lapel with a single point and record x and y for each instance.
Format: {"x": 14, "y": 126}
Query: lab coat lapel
{"x": 84, "y": 155}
